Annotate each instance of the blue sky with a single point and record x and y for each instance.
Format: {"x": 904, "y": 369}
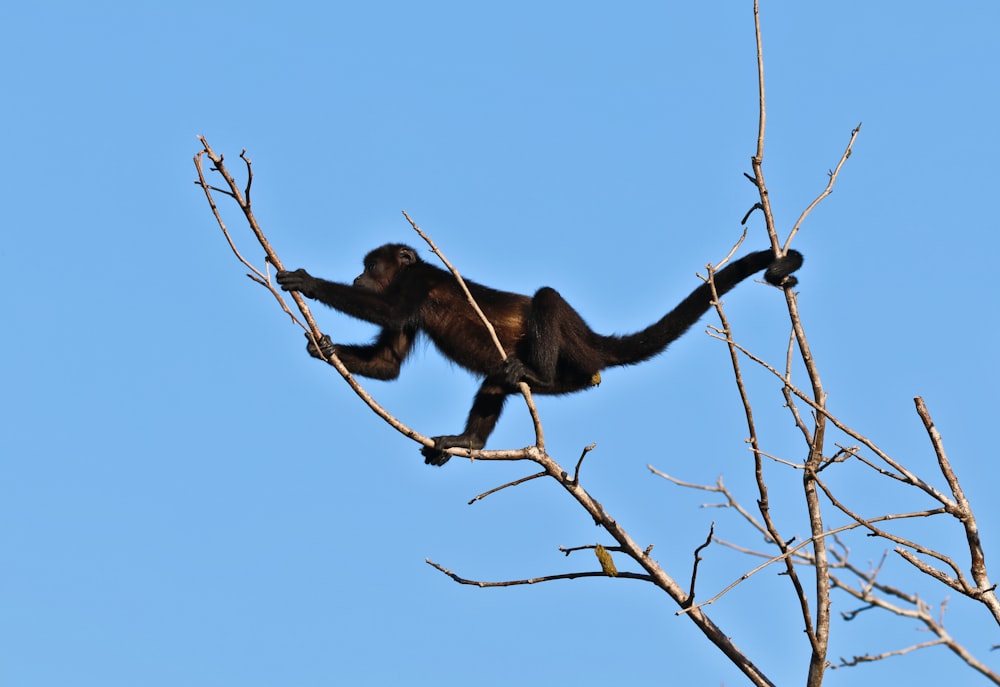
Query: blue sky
{"x": 187, "y": 498}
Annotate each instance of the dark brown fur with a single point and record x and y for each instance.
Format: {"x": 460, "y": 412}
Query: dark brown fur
{"x": 547, "y": 343}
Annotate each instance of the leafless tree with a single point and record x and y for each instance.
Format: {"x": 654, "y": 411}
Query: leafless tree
{"x": 815, "y": 567}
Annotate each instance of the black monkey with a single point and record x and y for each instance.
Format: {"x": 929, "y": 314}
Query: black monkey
{"x": 548, "y": 344}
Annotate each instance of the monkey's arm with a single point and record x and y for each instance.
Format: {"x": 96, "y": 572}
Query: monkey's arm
{"x": 380, "y": 359}
{"x": 350, "y": 300}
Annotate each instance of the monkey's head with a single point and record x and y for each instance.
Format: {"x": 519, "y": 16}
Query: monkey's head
{"x": 384, "y": 264}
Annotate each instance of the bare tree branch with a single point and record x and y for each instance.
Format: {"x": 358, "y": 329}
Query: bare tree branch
{"x": 536, "y": 580}
{"x": 985, "y": 591}
{"x": 827, "y": 191}
{"x": 241, "y": 198}
{"x": 697, "y": 561}
{"x": 824, "y": 553}
{"x": 516, "y": 482}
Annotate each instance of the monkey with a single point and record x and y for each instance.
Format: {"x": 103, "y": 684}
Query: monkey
{"x": 546, "y": 342}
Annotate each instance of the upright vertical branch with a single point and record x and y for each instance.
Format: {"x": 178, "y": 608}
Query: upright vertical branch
{"x": 757, "y": 162}
{"x": 817, "y": 628}
{"x": 761, "y": 103}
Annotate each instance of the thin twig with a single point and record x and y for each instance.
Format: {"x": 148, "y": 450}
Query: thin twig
{"x": 718, "y": 488}
{"x": 697, "y": 561}
{"x": 509, "y": 484}
{"x": 579, "y": 463}
{"x": 827, "y": 191}
{"x": 522, "y": 386}
{"x": 536, "y": 580}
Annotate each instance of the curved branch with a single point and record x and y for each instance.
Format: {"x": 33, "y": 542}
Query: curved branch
{"x": 242, "y": 200}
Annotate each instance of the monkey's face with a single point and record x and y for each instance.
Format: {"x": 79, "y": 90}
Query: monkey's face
{"x": 383, "y": 265}
{"x": 380, "y": 271}
{"x": 369, "y": 282}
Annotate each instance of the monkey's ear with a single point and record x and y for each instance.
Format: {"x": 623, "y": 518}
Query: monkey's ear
{"x": 407, "y": 256}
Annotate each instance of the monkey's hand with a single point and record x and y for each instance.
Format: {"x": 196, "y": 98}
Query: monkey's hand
{"x": 299, "y": 280}
{"x": 326, "y": 347}
{"x": 779, "y": 273}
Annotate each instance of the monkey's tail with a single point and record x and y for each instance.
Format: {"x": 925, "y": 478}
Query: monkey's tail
{"x": 654, "y": 339}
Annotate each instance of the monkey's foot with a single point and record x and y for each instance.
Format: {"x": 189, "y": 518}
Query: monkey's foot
{"x": 436, "y": 455}
{"x": 515, "y": 370}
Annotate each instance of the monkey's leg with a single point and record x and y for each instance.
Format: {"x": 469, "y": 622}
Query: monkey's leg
{"x": 483, "y": 416}
{"x": 555, "y": 333}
